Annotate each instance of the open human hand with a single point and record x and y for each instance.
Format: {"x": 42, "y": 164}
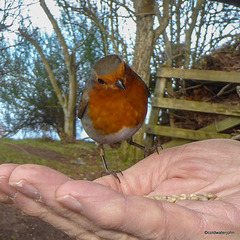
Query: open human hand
{"x": 107, "y": 209}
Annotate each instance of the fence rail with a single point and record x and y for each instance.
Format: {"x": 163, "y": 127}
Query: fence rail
{"x": 180, "y": 135}
{"x": 202, "y": 75}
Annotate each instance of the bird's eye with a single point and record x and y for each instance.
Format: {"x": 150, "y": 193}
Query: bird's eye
{"x": 101, "y": 81}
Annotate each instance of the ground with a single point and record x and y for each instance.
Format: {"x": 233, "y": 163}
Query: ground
{"x": 15, "y": 225}
{"x": 78, "y": 160}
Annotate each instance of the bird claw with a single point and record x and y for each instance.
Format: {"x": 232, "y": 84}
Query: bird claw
{"x": 114, "y": 173}
{"x": 148, "y": 151}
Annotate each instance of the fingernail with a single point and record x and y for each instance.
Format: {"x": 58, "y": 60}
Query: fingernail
{"x": 5, "y": 199}
{"x": 27, "y": 189}
{"x": 71, "y": 203}
{"x": 3, "y": 180}
{"x": 5, "y": 188}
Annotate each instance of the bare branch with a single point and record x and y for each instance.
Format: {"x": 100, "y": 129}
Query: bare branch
{"x": 57, "y": 30}
{"x": 95, "y": 18}
{"x": 168, "y": 49}
{"x": 190, "y": 31}
{"x": 164, "y": 19}
{"x": 46, "y": 64}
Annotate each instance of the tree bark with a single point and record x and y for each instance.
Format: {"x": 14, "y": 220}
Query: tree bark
{"x": 146, "y": 37}
{"x": 144, "y": 12}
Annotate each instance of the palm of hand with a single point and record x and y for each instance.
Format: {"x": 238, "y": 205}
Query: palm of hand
{"x": 204, "y": 167}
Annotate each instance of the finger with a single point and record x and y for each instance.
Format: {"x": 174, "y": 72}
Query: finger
{"x": 5, "y": 199}
{"x": 138, "y": 216}
{"x": 38, "y": 209}
{"x": 5, "y": 188}
{"x": 6, "y": 169}
{"x": 37, "y": 182}
{"x": 40, "y": 183}
{"x": 21, "y": 175}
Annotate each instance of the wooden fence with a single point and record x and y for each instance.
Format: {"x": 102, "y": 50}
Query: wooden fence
{"x": 180, "y": 135}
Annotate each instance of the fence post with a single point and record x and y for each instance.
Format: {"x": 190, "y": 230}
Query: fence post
{"x": 154, "y": 115}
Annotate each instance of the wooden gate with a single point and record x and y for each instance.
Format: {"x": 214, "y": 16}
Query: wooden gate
{"x": 180, "y": 135}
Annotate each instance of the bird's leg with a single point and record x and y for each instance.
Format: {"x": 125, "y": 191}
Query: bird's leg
{"x": 145, "y": 150}
{"x": 131, "y": 142}
{"x": 102, "y": 155}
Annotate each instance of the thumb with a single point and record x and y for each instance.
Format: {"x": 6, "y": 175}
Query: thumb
{"x": 136, "y": 215}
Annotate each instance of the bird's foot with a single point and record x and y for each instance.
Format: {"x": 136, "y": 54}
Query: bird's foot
{"x": 149, "y": 151}
{"x": 146, "y": 151}
{"x": 114, "y": 173}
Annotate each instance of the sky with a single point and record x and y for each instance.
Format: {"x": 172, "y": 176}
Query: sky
{"x": 40, "y": 19}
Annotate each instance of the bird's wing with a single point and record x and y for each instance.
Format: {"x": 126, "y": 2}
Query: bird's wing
{"x": 84, "y": 98}
{"x": 83, "y": 103}
{"x": 140, "y": 79}
{"x": 146, "y": 87}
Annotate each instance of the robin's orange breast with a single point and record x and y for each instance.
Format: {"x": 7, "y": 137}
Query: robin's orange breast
{"x": 112, "y": 109}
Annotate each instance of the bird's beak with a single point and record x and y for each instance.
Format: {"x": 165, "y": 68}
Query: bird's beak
{"x": 119, "y": 83}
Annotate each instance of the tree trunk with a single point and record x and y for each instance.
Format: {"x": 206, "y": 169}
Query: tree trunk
{"x": 68, "y": 102}
{"x": 146, "y": 37}
{"x": 144, "y": 12}
{"x": 70, "y": 112}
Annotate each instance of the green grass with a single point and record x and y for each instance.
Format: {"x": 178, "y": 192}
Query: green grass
{"x": 9, "y": 155}
{"x": 69, "y": 149}
{"x": 68, "y": 156}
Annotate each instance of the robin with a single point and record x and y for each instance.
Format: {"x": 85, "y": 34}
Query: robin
{"x": 113, "y": 105}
